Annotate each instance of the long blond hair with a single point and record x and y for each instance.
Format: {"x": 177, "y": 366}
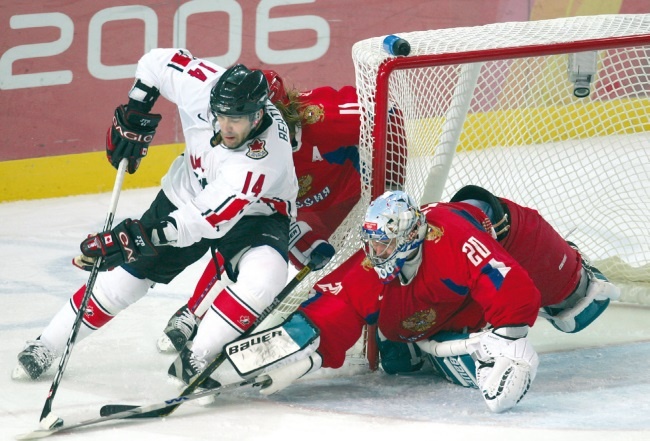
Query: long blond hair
{"x": 297, "y": 112}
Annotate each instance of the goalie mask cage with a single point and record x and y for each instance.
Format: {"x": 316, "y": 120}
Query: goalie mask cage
{"x": 494, "y": 106}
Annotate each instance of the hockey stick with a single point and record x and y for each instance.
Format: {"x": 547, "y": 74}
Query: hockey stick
{"x": 449, "y": 348}
{"x": 167, "y": 410}
{"x": 47, "y": 407}
{"x": 120, "y": 411}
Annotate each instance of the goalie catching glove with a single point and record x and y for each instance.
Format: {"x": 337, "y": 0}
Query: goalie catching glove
{"x": 306, "y": 247}
{"x": 506, "y": 365}
{"x": 123, "y": 244}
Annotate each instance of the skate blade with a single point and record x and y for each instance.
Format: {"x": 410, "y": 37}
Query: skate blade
{"x": 20, "y": 374}
{"x": 165, "y": 346}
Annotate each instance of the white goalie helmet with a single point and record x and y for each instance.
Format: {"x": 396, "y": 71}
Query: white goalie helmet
{"x": 393, "y": 228}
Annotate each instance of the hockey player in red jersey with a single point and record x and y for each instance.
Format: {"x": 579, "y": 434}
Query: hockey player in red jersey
{"x": 233, "y": 189}
{"x": 324, "y": 125}
{"x": 479, "y": 265}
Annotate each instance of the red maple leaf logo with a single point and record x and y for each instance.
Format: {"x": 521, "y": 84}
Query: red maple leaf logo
{"x": 256, "y": 149}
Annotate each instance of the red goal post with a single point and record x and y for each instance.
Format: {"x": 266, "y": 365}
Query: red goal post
{"x": 494, "y": 106}
{"x": 380, "y": 132}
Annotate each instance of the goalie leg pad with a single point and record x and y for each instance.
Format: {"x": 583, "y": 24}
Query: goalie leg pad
{"x": 457, "y": 369}
{"x": 397, "y": 357}
{"x": 296, "y": 339}
{"x": 284, "y": 376}
{"x": 585, "y": 304}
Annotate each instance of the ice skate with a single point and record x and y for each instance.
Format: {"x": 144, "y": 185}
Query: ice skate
{"x": 188, "y": 366}
{"x": 180, "y": 329}
{"x": 33, "y": 361}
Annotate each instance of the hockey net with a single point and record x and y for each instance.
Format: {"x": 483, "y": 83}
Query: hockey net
{"x": 494, "y": 106}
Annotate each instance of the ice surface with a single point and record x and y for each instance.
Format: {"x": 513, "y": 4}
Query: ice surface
{"x": 594, "y": 385}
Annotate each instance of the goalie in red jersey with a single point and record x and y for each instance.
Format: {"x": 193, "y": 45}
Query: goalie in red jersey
{"x": 324, "y": 125}
{"x": 476, "y": 269}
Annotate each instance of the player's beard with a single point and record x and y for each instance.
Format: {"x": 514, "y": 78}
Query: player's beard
{"x": 234, "y": 141}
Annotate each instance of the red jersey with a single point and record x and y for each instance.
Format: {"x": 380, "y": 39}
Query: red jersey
{"x": 327, "y": 158}
{"x": 466, "y": 279}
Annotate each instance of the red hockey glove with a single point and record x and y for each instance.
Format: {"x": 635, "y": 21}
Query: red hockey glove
{"x": 305, "y": 247}
{"x": 130, "y": 135}
{"x": 123, "y": 244}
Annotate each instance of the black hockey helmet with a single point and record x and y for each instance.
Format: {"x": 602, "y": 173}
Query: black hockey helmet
{"x": 239, "y": 91}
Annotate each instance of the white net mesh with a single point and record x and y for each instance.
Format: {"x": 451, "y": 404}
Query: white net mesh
{"x": 507, "y": 119}
{"x": 493, "y": 106}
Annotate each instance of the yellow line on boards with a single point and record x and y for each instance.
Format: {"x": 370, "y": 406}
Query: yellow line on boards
{"x": 84, "y": 173}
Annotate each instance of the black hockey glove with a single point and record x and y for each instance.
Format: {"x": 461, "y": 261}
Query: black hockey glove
{"x": 123, "y": 244}
{"x": 306, "y": 247}
{"x": 130, "y": 135}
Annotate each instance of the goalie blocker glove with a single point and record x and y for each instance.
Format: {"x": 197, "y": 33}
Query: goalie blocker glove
{"x": 123, "y": 244}
{"x": 276, "y": 357}
{"x": 133, "y": 127}
{"x": 506, "y": 365}
{"x": 306, "y": 247}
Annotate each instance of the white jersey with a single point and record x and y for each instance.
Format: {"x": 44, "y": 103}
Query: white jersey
{"x": 213, "y": 187}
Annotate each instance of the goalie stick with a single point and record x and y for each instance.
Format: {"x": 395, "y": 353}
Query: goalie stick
{"x": 47, "y": 407}
{"x": 167, "y": 410}
{"x": 449, "y": 348}
{"x": 125, "y": 411}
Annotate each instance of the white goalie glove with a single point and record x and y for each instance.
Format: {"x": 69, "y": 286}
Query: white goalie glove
{"x": 506, "y": 365}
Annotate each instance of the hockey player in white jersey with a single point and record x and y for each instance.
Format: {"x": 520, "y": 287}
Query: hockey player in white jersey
{"x": 233, "y": 190}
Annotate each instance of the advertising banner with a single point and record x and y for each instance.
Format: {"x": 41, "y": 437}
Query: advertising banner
{"x": 65, "y": 65}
